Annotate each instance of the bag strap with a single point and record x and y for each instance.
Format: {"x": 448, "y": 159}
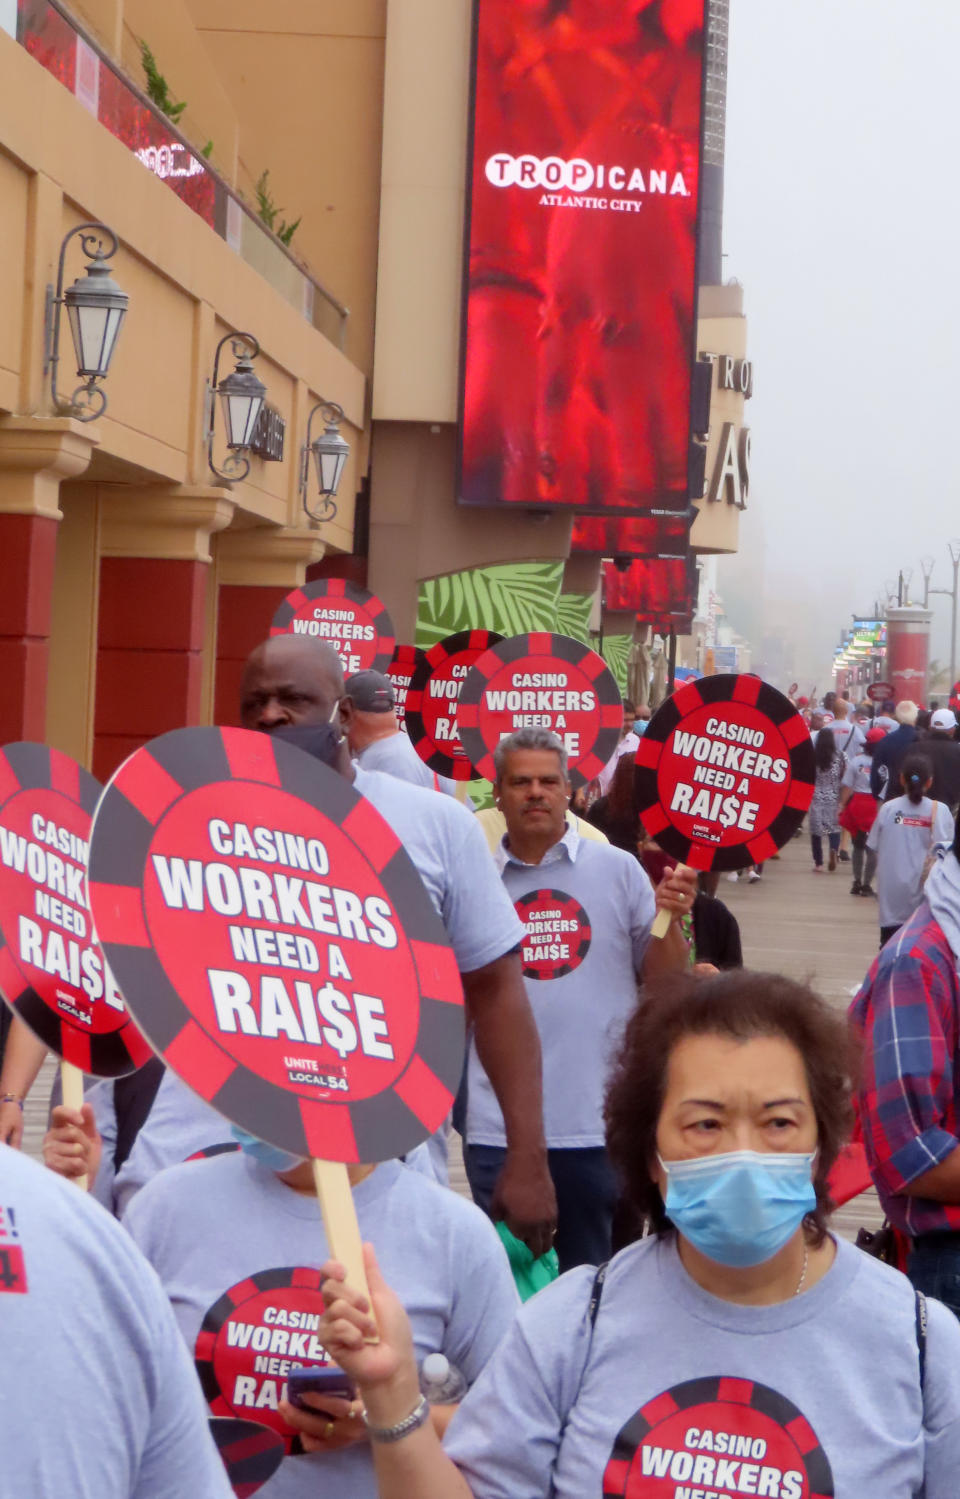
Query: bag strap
{"x": 593, "y": 1305}
{"x": 133, "y": 1098}
{"x": 933, "y": 823}
{"x": 922, "y": 1335}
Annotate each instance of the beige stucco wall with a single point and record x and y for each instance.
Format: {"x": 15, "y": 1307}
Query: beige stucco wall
{"x": 186, "y": 288}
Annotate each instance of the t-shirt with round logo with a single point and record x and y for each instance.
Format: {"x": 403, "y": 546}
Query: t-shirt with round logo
{"x": 238, "y": 1253}
{"x": 675, "y": 1394}
{"x": 587, "y": 910}
{"x": 903, "y": 836}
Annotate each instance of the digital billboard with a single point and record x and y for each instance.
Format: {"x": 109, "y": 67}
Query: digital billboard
{"x": 657, "y": 534}
{"x": 580, "y": 298}
{"x": 656, "y": 590}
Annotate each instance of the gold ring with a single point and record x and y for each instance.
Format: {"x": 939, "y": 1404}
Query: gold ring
{"x": 328, "y": 1431}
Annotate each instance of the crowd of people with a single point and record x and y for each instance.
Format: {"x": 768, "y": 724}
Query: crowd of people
{"x": 637, "y": 1112}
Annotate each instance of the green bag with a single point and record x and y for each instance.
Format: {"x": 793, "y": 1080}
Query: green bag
{"x": 530, "y": 1275}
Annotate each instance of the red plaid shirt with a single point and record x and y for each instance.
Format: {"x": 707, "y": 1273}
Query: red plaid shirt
{"x": 909, "y": 1014}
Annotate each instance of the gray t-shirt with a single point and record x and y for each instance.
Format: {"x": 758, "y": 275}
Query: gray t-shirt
{"x": 97, "y": 1398}
{"x": 450, "y": 852}
{"x": 396, "y": 756}
{"x": 588, "y": 909}
{"x": 816, "y": 1395}
{"x": 179, "y": 1125}
{"x": 847, "y": 736}
{"x": 857, "y": 774}
{"x": 215, "y": 1230}
{"x": 903, "y": 835}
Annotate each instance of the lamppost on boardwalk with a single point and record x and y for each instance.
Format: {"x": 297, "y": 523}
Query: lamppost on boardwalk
{"x": 950, "y": 593}
{"x": 96, "y": 308}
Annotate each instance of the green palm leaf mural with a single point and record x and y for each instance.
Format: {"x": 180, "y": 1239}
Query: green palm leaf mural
{"x": 573, "y": 616}
{"x": 616, "y": 653}
{"x": 511, "y": 598}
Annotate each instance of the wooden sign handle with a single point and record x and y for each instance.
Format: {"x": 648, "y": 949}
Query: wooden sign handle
{"x": 462, "y": 790}
{"x": 661, "y": 925}
{"x": 340, "y": 1221}
{"x": 71, "y": 1081}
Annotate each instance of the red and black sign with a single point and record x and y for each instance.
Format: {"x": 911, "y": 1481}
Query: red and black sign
{"x": 52, "y": 972}
{"x": 251, "y": 1452}
{"x": 558, "y": 934}
{"x": 718, "y": 1436}
{"x": 724, "y": 773}
{"x": 350, "y": 619}
{"x": 406, "y": 659}
{"x": 252, "y": 1336}
{"x": 580, "y": 317}
{"x": 433, "y": 701}
{"x": 543, "y": 681}
{"x": 881, "y": 692}
{"x": 284, "y": 956}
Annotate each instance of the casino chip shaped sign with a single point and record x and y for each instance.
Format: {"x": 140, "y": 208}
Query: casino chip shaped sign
{"x": 52, "y": 971}
{"x": 545, "y": 681}
{"x": 724, "y": 773}
{"x": 433, "y": 701}
{"x": 284, "y": 957}
{"x": 350, "y": 619}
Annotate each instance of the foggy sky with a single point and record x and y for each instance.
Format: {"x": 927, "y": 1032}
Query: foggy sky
{"x": 841, "y": 221}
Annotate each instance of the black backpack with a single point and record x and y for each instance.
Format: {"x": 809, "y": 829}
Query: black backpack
{"x": 133, "y": 1098}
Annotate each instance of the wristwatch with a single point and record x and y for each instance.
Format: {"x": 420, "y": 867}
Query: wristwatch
{"x": 416, "y": 1418}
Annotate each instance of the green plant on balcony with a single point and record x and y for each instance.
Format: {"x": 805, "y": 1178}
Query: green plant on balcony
{"x": 269, "y": 212}
{"x": 158, "y": 90}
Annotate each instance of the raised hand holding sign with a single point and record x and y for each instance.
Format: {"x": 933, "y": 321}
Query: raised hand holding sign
{"x": 286, "y": 961}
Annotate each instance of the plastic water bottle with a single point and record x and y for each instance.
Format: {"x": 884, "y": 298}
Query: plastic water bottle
{"x": 440, "y": 1381}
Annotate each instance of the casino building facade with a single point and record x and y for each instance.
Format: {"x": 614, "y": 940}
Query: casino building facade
{"x": 293, "y": 173}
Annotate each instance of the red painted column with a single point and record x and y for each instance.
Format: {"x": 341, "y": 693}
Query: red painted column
{"x": 908, "y": 651}
{"x": 28, "y": 547}
{"x": 149, "y": 643}
{"x": 244, "y": 615}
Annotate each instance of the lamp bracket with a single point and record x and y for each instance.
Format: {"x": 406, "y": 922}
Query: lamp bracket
{"x": 332, "y": 415}
{"x": 234, "y": 469}
{"x": 88, "y": 401}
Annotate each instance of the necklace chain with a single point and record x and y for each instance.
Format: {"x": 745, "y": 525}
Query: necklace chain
{"x": 803, "y": 1272}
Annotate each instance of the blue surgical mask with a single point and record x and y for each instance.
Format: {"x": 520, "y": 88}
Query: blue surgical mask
{"x": 740, "y": 1208}
{"x": 640, "y": 726}
{"x": 270, "y": 1156}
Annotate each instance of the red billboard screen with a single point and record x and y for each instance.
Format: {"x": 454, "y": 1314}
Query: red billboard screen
{"x": 653, "y": 590}
{"x": 580, "y": 306}
{"x": 657, "y": 534}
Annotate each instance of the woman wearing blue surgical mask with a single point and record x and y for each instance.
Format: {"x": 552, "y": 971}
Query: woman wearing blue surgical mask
{"x": 739, "y": 1348}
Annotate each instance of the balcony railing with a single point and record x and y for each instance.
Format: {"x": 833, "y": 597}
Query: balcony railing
{"x": 73, "y": 55}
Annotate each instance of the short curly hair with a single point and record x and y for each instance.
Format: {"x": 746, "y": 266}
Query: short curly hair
{"x": 741, "y": 1005}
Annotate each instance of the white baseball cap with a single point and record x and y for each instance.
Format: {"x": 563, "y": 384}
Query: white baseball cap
{"x": 943, "y": 718}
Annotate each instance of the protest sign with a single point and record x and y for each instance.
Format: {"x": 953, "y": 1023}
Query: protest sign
{"x": 350, "y": 619}
{"x": 544, "y": 681}
{"x": 881, "y": 692}
{"x": 433, "y": 698}
{"x": 724, "y": 773}
{"x": 284, "y": 956}
{"x": 406, "y": 659}
{"x": 52, "y": 971}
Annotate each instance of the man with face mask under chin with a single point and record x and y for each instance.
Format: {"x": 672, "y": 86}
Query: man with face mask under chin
{"x": 292, "y": 687}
